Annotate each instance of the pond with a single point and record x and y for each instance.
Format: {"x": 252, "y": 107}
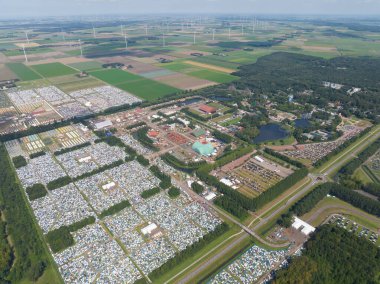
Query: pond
{"x": 270, "y": 132}
{"x": 190, "y": 101}
{"x": 221, "y": 98}
{"x": 301, "y": 123}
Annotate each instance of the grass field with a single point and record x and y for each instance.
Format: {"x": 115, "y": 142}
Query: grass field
{"x": 144, "y": 88}
{"x": 33, "y": 50}
{"x": 213, "y": 76}
{"x": 85, "y": 83}
{"x": 116, "y": 76}
{"x": 147, "y": 89}
{"x": 23, "y": 72}
{"x": 336, "y": 205}
{"x": 53, "y": 69}
{"x": 86, "y": 66}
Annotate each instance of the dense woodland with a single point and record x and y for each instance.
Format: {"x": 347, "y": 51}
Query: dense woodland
{"x": 271, "y": 75}
{"x": 333, "y": 255}
{"x": 31, "y": 257}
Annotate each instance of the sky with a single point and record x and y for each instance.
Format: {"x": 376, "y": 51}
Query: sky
{"x": 37, "y": 8}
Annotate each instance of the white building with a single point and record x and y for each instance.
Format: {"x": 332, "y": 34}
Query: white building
{"x": 102, "y": 124}
{"x": 305, "y": 228}
{"x": 149, "y": 229}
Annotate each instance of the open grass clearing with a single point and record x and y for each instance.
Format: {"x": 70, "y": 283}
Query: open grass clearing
{"x": 53, "y": 69}
{"x": 147, "y": 89}
{"x": 23, "y": 72}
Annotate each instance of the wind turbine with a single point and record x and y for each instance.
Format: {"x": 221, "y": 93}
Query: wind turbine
{"x": 229, "y": 33}
{"x": 126, "y": 42}
{"x": 26, "y": 35}
{"x": 163, "y": 39}
{"x": 146, "y": 30}
{"x": 80, "y": 46}
{"x": 242, "y": 29}
{"x": 93, "y": 31}
{"x": 213, "y": 34}
{"x": 121, "y": 29}
{"x": 23, "y": 48}
{"x": 63, "y": 35}
{"x": 194, "y": 37}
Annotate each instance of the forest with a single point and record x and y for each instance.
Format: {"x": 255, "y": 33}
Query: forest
{"x": 271, "y": 74}
{"x": 333, "y": 255}
{"x": 31, "y": 257}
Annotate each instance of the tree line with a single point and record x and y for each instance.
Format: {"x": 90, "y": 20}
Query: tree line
{"x": 333, "y": 255}
{"x": 31, "y": 257}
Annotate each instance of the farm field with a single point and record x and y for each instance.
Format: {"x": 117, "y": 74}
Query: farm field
{"x": 86, "y": 66}
{"x": 53, "y": 69}
{"x": 23, "y": 72}
{"x": 147, "y": 89}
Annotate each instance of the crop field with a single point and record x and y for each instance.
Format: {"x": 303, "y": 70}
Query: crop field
{"x": 116, "y": 76}
{"x": 53, "y": 69}
{"x": 34, "y": 50}
{"x": 86, "y": 66}
{"x": 23, "y": 72}
{"x": 84, "y": 83}
{"x": 147, "y": 89}
{"x": 214, "y": 76}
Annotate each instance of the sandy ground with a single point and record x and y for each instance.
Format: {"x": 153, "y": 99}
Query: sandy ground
{"x": 30, "y": 44}
{"x": 3, "y": 58}
{"x": 138, "y": 67}
{"x": 211, "y": 67}
{"x": 319, "y": 48}
{"x": 6, "y": 73}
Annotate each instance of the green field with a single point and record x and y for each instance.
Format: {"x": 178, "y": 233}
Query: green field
{"x": 33, "y": 50}
{"x": 147, "y": 89}
{"x": 86, "y": 66}
{"x": 144, "y": 88}
{"x": 116, "y": 76}
{"x": 23, "y": 72}
{"x": 214, "y": 76}
{"x": 53, "y": 69}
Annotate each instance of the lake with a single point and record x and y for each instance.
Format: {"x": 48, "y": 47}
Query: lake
{"x": 301, "y": 123}
{"x": 221, "y": 98}
{"x": 270, "y": 132}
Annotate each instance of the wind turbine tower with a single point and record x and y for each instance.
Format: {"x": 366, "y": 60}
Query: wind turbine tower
{"x": 93, "y": 31}
{"x": 126, "y": 42}
{"x": 229, "y": 33}
{"x": 194, "y": 40}
{"x": 26, "y": 35}
{"x": 163, "y": 40}
{"x": 23, "y": 48}
{"x": 213, "y": 34}
{"x": 146, "y": 30}
{"x": 80, "y": 47}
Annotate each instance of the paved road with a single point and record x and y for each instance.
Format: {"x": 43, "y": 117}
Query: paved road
{"x": 197, "y": 271}
{"x": 340, "y": 207}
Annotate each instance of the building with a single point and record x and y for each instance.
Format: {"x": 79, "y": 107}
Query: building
{"x": 207, "y": 109}
{"x": 204, "y": 149}
{"x": 199, "y": 132}
{"x": 108, "y": 185}
{"x": 302, "y": 226}
{"x": 259, "y": 159}
{"x": 210, "y": 196}
{"x": 149, "y": 229}
{"x": 102, "y": 124}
